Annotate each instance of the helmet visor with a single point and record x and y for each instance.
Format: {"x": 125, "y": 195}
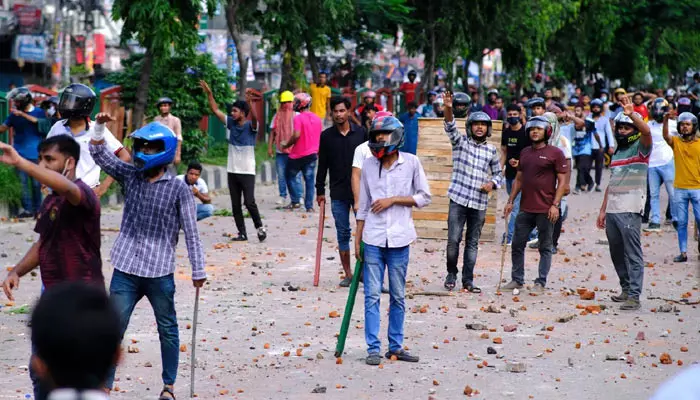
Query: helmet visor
{"x": 70, "y": 101}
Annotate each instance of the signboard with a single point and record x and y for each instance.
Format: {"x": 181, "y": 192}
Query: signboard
{"x": 29, "y": 18}
{"x": 32, "y": 48}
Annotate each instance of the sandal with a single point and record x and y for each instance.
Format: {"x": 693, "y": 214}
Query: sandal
{"x": 471, "y": 288}
{"x": 169, "y": 391}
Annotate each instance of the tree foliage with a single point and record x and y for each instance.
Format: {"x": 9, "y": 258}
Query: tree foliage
{"x": 170, "y": 79}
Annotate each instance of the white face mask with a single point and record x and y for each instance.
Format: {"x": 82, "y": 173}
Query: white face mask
{"x": 51, "y": 111}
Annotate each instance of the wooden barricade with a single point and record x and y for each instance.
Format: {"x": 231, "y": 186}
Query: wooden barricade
{"x": 435, "y": 152}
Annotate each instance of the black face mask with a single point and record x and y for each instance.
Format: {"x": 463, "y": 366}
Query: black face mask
{"x": 513, "y": 120}
{"x": 625, "y": 141}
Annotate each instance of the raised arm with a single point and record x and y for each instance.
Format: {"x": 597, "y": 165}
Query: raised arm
{"x": 665, "y": 131}
{"x": 638, "y": 122}
{"x": 450, "y": 124}
{"x": 104, "y": 158}
{"x": 212, "y": 103}
{"x": 57, "y": 182}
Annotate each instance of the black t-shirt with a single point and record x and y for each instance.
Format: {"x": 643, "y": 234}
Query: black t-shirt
{"x": 515, "y": 142}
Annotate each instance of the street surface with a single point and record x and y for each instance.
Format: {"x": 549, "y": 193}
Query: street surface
{"x": 259, "y": 340}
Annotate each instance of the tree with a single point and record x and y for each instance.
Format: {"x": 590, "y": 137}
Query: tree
{"x": 170, "y": 78}
{"x": 241, "y": 16}
{"x": 160, "y": 27}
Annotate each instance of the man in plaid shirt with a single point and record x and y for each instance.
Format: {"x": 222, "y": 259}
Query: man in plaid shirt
{"x": 476, "y": 171}
{"x": 156, "y": 206}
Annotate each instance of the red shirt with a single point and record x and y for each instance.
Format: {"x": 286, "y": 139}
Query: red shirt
{"x": 70, "y": 239}
{"x": 409, "y": 91}
{"x": 643, "y": 111}
{"x": 539, "y": 169}
{"x": 359, "y": 109}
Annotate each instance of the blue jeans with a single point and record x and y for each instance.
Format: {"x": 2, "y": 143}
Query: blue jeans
{"x": 514, "y": 213}
{"x": 525, "y": 222}
{"x": 281, "y": 160}
{"x": 341, "y": 215}
{"x": 396, "y": 261}
{"x": 457, "y": 217}
{"x": 681, "y": 199}
{"x": 657, "y": 175}
{"x": 307, "y": 166}
{"x": 31, "y": 191}
{"x": 204, "y": 211}
{"x": 125, "y": 291}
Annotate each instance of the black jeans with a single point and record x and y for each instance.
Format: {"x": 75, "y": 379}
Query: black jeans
{"x": 243, "y": 184}
{"x": 524, "y": 224}
{"x": 474, "y": 219}
{"x": 598, "y": 157}
{"x": 583, "y": 171}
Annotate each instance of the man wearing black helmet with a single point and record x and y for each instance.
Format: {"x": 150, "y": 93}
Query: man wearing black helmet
{"x": 75, "y": 105}
{"x": 476, "y": 172}
{"x": 24, "y": 120}
{"x": 686, "y": 152}
{"x": 165, "y": 105}
{"x": 542, "y": 173}
{"x": 607, "y": 145}
{"x": 621, "y": 212}
{"x": 392, "y": 183}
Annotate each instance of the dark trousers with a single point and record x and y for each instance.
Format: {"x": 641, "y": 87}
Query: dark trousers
{"x": 243, "y": 184}
{"x": 39, "y": 387}
{"x": 474, "y": 219}
{"x": 583, "y": 171}
{"x": 624, "y": 237}
{"x": 564, "y": 212}
{"x": 524, "y": 223}
{"x": 598, "y": 157}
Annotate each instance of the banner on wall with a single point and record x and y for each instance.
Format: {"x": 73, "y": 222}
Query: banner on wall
{"x": 32, "y": 48}
{"x": 28, "y": 18}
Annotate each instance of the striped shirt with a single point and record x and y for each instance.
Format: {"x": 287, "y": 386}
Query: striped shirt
{"x": 471, "y": 162}
{"x": 627, "y": 190}
{"x": 153, "y": 215}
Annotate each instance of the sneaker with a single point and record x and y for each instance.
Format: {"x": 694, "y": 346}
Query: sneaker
{"x": 385, "y": 290}
{"x": 25, "y": 214}
{"x": 373, "y": 359}
{"x": 631, "y": 305}
{"x": 598, "y": 189}
{"x": 538, "y": 288}
{"x": 262, "y": 234}
{"x": 620, "y": 298}
{"x": 292, "y": 206}
{"x": 345, "y": 282}
{"x": 402, "y": 355}
{"x": 282, "y": 201}
{"x": 576, "y": 192}
{"x": 513, "y": 285}
{"x": 533, "y": 244}
{"x": 450, "y": 281}
{"x": 668, "y": 222}
{"x": 683, "y": 257}
{"x": 309, "y": 210}
{"x": 653, "y": 227}
{"x": 240, "y": 238}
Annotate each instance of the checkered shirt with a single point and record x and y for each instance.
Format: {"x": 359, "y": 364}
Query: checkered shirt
{"x": 153, "y": 215}
{"x": 471, "y": 162}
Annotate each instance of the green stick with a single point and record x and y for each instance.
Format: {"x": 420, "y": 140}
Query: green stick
{"x": 340, "y": 347}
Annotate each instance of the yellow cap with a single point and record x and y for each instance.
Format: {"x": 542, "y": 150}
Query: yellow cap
{"x": 286, "y": 96}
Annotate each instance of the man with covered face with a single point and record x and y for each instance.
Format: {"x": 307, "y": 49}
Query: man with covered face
{"x": 621, "y": 212}
{"x": 476, "y": 172}
{"x": 542, "y": 174}
{"x": 607, "y": 145}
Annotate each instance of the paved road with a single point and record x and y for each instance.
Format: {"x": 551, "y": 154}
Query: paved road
{"x": 245, "y": 307}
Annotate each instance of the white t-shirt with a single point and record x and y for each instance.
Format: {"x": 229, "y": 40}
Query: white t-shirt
{"x": 87, "y": 170}
{"x": 201, "y": 185}
{"x": 362, "y": 152}
{"x": 661, "y": 152}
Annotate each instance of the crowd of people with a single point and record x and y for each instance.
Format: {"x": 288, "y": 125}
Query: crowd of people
{"x": 367, "y": 156}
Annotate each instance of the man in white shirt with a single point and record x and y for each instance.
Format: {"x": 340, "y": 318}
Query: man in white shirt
{"x": 661, "y": 166}
{"x": 199, "y": 190}
{"x": 76, "y": 104}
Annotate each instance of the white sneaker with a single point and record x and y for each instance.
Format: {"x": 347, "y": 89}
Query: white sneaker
{"x": 282, "y": 201}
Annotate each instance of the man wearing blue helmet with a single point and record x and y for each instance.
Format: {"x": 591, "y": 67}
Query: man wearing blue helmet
{"x": 156, "y": 205}
{"x": 392, "y": 183}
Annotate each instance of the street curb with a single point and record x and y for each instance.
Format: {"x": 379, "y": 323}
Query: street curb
{"x": 216, "y": 178}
